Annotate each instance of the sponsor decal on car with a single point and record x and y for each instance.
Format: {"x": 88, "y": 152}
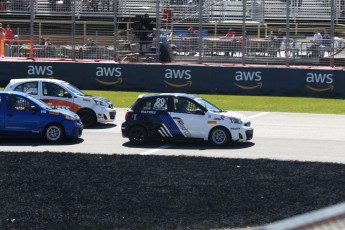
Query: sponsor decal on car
{"x": 182, "y": 127}
{"x": 148, "y": 111}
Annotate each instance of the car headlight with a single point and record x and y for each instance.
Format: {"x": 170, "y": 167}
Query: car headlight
{"x": 99, "y": 102}
{"x": 69, "y": 117}
{"x": 235, "y": 120}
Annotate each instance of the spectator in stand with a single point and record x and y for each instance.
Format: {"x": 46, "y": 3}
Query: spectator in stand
{"x": 146, "y": 30}
{"x": 231, "y": 35}
{"x": 90, "y": 49}
{"x": 273, "y": 48}
{"x": 191, "y": 32}
{"x": 8, "y": 33}
{"x": 270, "y": 36}
{"x": 326, "y": 43}
{"x": 15, "y": 46}
{"x": 317, "y": 38}
{"x": 317, "y": 42}
{"x": 326, "y": 39}
{"x": 191, "y": 42}
{"x": 90, "y": 43}
{"x": 43, "y": 40}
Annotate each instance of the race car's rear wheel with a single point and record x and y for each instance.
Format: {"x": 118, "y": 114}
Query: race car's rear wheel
{"x": 219, "y": 136}
{"x": 54, "y": 133}
{"x": 88, "y": 117}
{"x": 137, "y": 135}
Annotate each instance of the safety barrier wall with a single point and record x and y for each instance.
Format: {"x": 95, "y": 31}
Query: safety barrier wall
{"x": 193, "y": 78}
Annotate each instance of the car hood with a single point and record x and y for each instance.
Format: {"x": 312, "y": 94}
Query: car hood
{"x": 235, "y": 115}
{"x": 97, "y": 98}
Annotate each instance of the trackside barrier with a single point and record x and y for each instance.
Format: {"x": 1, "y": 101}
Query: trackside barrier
{"x": 158, "y": 77}
{"x": 16, "y": 46}
{"x": 331, "y": 217}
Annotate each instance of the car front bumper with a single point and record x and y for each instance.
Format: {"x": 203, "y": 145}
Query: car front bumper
{"x": 106, "y": 115}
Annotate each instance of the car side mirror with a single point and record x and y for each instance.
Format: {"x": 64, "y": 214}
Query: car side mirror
{"x": 68, "y": 95}
{"x": 199, "y": 112}
{"x": 33, "y": 109}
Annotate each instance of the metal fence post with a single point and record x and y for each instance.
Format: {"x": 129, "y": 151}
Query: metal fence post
{"x": 200, "y": 43}
{"x": 287, "y": 33}
{"x": 331, "y": 60}
{"x": 244, "y": 34}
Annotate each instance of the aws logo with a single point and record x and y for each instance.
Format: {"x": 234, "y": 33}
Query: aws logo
{"x": 320, "y": 82}
{"x": 38, "y": 70}
{"x": 248, "y": 80}
{"x": 178, "y": 77}
{"x": 111, "y": 74}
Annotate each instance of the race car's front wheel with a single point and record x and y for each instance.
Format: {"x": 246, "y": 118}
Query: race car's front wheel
{"x": 54, "y": 133}
{"x": 137, "y": 135}
{"x": 219, "y": 136}
{"x": 88, "y": 117}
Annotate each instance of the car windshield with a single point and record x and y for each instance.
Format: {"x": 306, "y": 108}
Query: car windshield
{"x": 74, "y": 89}
{"x": 208, "y": 105}
{"x": 39, "y": 102}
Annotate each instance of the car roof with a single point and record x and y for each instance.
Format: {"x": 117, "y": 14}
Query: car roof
{"x": 190, "y": 96}
{"x": 20, "y": 80}
{"x": 13, "y": 92}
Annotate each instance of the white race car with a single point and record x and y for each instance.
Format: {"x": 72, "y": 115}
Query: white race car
{"x": 172, "y": 116}
{"x": 61, "y": 94}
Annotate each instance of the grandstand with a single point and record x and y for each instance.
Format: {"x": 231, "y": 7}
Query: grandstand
{"x": 70, "y": 23}
{"x": 307, "y": 10}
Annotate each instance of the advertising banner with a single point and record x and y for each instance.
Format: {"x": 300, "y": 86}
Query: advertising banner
{"x": 157, "y": 77}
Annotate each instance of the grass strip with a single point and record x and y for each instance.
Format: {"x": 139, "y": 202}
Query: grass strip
{"x": 123, "y": 99}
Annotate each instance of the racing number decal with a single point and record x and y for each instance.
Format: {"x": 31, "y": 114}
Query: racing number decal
{"x": 160, "y": 104}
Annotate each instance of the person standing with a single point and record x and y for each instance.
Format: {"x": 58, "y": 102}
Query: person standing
{"x": 146, "y": 28}
{"x": 8, "y": 34}
{"x": 317, "y": 38}
{"x": 317, "y": 42}
{"x": 230, "y": 35}
{"x": 326, "y": 39}
{"x": 191, "y": 32}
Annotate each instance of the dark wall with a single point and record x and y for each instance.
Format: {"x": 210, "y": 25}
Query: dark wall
{"x": 269, "y": 81}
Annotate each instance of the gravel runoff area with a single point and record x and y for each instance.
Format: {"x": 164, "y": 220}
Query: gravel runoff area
{"x": 82, "y": 191}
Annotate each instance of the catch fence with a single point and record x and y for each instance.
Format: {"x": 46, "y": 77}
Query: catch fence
{"x": 99, "y": 30}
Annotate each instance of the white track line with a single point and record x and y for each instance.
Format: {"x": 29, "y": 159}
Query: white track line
{"x": 155, "y": 150}
{"x": 258, "y": 115}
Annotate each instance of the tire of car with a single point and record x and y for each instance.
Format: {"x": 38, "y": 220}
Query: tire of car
{"x": 137, "y": 135}
{"x": 54, "y": 133}
{"x": 88, "y": 117}
{"x": 219, "y": 136}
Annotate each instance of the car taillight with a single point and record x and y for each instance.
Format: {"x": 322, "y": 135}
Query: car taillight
{"x": 126, "y": 116}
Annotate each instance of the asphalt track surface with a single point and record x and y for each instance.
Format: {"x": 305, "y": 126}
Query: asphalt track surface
{"x": 279, "y": 136}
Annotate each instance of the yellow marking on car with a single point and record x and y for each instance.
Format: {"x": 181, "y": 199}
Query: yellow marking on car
{"x": 54, "y": 113}
{"x": 211, "y": 122}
